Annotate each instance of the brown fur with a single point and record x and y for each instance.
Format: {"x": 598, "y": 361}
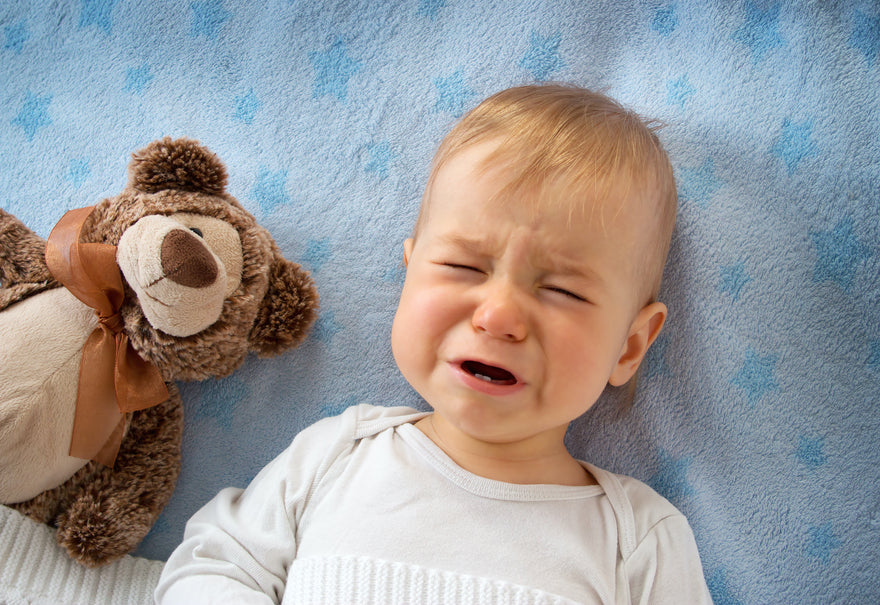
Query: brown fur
{"x": 23, "y": 270}
{"x": 104, "y": 513}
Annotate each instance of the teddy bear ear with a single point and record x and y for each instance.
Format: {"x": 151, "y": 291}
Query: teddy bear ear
{"x": 180, "y": 164}
{"x": 287, "y": 311}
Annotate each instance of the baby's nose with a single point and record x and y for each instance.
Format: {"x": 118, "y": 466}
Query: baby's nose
{"x": 499, "y": 315}
{"x": 187, "y": 261}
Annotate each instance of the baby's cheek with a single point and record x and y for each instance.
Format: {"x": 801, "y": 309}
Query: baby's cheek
{"x": 412, "y": 322}
{"x": 580, "y": 356}
{"x": 436, "y": 308}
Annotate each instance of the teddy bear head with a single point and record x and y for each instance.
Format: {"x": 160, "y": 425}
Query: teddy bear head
{"x": 204, "y": 283}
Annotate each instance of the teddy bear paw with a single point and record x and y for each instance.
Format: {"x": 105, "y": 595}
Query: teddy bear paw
{"x": 98, "y": 532}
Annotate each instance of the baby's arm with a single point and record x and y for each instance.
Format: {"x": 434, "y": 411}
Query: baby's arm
{"x": 239, "y": 546}
{"x": 234, "y": 551}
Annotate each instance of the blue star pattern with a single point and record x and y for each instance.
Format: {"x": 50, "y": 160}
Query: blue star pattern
{"x": 16, "y": 36}
{"x": 218, "y": 399}
{"x": 34, "y": 114}
{"x": 246, "y": 107}
{"x": 794, "y": 144}
{"x": 78, "y": 171}
{"x": 270, "y": 189}
{"x": 679, "y": 91}
{"x": 671, "y": 480}
{"x": 137, "y": 79}
{"x": 326, "y": 327}
{"x": 430, "y": 8}
{"x": 755, "y": 376}
{"x": 760, "y": 32}
{"x": 317, "y": 253}
{"x": 769, "y": 130}
{"x": 821, "y": 542}
{"x": 664, "y": 20}
{"x": 452, "y": 94}
{"x": 839, "y": 254}
{"x": 333, "y": 69}
{"x": 98, "y": 13}
{"x": 381, "y": 155}
{"x": 697, "y": 185}
{"x": 810, "y": 452}
{"x": 718, "y": 587}
{"x": 208, "y": 16}
{"x": 542, "y": 58}
{"x": 733, "y": 278}
{"x": 866, "y": 36}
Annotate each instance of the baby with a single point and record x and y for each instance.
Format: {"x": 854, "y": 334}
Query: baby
{"x": 531, "y": 284}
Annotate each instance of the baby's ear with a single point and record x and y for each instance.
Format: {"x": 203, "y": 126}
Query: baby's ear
{"x": 643, "y": 332}
{"x": 287, "y": 311}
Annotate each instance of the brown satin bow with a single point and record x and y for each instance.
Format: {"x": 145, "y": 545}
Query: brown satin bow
{"x": 113, "y": 379}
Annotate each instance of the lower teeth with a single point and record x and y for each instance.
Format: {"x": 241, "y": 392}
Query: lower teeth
{"x": 483, "y": 377}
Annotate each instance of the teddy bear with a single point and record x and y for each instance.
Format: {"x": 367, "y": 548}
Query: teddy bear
{"x": 170, "y": 280}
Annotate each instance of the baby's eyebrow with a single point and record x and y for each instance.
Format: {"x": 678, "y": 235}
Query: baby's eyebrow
{"x": 477, "y": 246}
{"x": 557, "y": 261}
{"x": 561, "y": 265}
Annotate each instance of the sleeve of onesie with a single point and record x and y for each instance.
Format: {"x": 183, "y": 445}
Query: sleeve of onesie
{"x": 665, "y": 566}
{"x": 238, "y": 547}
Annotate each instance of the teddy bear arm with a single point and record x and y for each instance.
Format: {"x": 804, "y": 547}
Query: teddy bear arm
{"x": 23, "y": 269}
{"x": 287, "y": 311}
{"x": 115, "y": 510}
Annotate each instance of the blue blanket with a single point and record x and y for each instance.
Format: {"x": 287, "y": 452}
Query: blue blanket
{"x": 756, "y": 413}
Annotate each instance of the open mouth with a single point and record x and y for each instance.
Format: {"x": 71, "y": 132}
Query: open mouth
{"x": 487, "y": 373}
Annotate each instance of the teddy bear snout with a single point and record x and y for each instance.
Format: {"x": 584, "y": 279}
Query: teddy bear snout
{"x": 187, "y": 261}
{"x": 181, "y": 267}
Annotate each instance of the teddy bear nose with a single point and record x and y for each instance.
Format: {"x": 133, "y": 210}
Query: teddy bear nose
{"x": 187, "y": 261}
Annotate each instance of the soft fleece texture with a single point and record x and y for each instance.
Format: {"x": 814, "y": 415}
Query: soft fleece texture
{"x": 756, "y": 412}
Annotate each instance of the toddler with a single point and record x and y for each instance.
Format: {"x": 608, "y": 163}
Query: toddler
{"x": 531, "y": 284}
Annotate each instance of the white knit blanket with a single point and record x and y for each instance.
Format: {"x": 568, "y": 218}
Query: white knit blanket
{"x": 34, "y": 570}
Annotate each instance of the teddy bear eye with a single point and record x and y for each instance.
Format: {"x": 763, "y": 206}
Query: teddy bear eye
{"x": 197, "y": 231}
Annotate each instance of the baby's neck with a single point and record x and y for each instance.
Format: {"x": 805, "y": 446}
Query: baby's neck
{"x": 494, "y": 461}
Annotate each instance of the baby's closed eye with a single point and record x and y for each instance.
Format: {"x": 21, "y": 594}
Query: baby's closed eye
{"x": 565, "y": 292}
{"x": 463, "y": 267}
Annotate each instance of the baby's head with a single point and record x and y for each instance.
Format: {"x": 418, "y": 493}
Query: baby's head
{"x": 534, "y": 266}
{"x": 567, "y": 146}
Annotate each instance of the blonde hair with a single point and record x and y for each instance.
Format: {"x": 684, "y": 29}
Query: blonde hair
{"x": 567, "y": 144}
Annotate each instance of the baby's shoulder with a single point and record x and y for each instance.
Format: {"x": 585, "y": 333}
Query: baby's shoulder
{"x": 320, "y": 446}
{"x": 647, "y": 504}
{"x": 638, "y": 507}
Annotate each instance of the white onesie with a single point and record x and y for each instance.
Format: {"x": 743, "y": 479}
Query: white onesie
{"x": 364, "y": 508}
